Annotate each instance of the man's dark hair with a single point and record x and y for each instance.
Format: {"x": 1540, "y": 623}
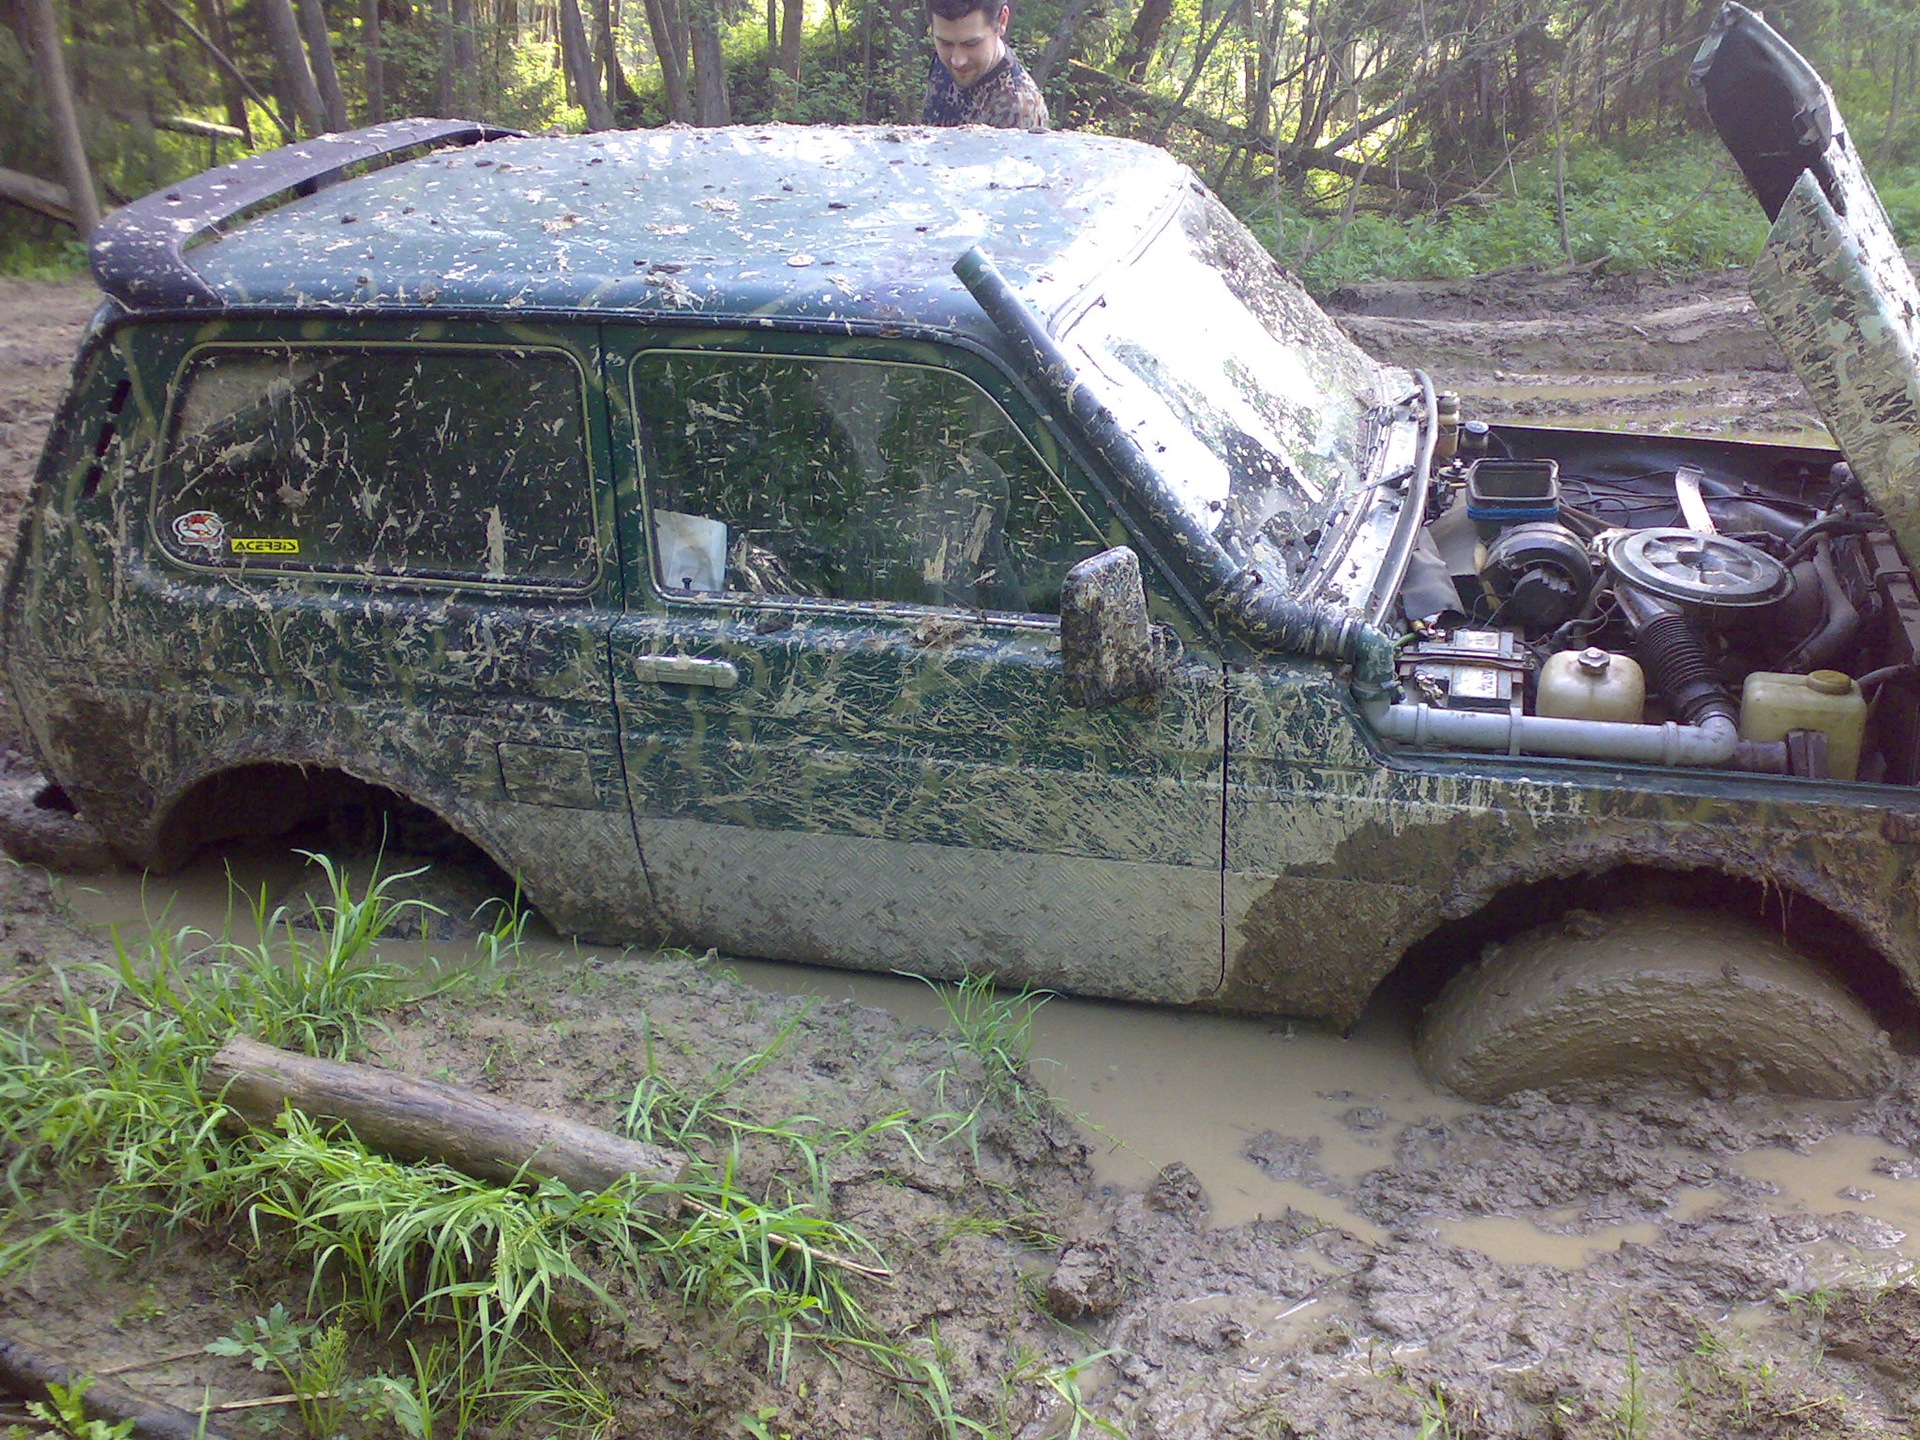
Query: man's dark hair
{"x": 960, "y": 9}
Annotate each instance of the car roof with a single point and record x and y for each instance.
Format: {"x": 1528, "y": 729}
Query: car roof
{"x": 840, "y": 225}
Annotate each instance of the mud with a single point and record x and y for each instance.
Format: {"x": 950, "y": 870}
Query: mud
{"x": 1656, "y": 991}
{"x": 1619, "y": 352}
{"x": 1259, "y": 1231}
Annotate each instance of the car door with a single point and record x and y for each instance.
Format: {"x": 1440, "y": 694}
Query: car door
{"x": 839, "y": 679}
{"x": 388, "y": 550}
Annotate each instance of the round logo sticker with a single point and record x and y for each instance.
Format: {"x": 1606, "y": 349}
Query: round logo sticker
{"x": 200, "y": 527}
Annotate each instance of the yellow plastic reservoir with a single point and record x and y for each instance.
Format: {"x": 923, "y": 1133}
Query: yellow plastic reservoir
{"x": 1591, "y": 684}
{"x": 1828, "y": 701}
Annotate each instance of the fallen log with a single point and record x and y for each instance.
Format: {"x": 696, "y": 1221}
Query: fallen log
{"x": 426, "y": 1120}
{"x": 29, "y": 1372}
{"x": 36, "y": 194}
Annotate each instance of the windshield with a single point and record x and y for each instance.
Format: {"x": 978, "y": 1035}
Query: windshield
{"x": 1245, "y": 396}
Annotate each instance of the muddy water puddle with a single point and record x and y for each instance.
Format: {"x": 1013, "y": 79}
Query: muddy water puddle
{"x": 1274, "y": 1120}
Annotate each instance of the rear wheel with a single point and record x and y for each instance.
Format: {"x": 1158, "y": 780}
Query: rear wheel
{"x": 1656, "y": 991}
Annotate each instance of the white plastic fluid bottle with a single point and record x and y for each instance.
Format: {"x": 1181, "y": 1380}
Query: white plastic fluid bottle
{"x": 1591, "y": 684}
{"x": 1771, "y": 704}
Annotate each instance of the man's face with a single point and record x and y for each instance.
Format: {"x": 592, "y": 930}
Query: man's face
{"x": 970, "y": 46}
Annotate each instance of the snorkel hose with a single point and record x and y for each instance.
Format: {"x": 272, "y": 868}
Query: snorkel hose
{"x": 1236, "y": 594}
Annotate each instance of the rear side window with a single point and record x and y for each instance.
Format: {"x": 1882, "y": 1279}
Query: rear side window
{"x": 436, "y": 463}
{"x": 837, "y": 479}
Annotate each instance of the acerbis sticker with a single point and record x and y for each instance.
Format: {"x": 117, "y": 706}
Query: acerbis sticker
{"x": 200, "y": 527}
{"x": 262, "y": 546}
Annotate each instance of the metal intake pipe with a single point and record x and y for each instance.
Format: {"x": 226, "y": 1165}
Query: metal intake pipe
{"x": 1709, "y": 743}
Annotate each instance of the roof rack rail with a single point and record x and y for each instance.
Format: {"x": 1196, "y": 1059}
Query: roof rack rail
{"x": 139, "y": 252}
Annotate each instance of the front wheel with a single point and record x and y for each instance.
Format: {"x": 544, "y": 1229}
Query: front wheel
{"x": 1657, "y": 991}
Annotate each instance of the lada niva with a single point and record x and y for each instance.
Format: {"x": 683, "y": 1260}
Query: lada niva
{"x": 969, "y": 552}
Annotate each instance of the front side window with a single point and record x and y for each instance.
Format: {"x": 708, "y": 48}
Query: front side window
{"x": 431, "y": 463}
{"x": 859, "y": 480}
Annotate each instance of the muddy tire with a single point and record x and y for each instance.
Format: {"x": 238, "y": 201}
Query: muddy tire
{"x": 1657, "y": 991}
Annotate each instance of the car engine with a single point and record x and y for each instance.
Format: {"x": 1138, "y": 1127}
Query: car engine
{"x": 1614, "y": 580}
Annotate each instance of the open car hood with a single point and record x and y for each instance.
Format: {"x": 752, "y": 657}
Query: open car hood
{"x": 1831, "y": 282}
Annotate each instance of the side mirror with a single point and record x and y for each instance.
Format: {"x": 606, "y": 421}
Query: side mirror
{"x": 1111, "y": 652}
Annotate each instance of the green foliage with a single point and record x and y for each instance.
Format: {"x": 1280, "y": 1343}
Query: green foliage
{"x": 110, "y": 1078}
{"x": 402, "y": 1246}
{"x": 995, "y": 1028}
{"x": 27, "y": 256}
{"x": 1062, "y": 1382}
{"x": 490, "y": 1284}
{"x": 1901, "y": 195}
{"x": 68, "y": 1414}
{"x": 1689, "y": 212}
{"x": 310, "y": 1358}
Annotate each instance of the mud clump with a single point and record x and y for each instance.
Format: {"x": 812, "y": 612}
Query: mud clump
{"x": 1085, "y": 1283}
{"x": 1285, "y": 1157}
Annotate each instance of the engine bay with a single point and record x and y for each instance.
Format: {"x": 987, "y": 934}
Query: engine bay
{"x": 1575, "y": 587}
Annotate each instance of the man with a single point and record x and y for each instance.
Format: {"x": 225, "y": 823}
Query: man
{"x": 975, "y": 79}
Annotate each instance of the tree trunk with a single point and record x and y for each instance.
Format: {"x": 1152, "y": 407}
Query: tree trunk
{"x": 1200, "y": 58}
{"x": 793, "y": 15}
{"x": 663, "y": 23}
{"x": 573, "y": 45}
{"x": 43, "y": 29}
{"x": 313, "y": 24}
{"x": 621, "y": 98}
{"x": 466, "y": 59}
{"x": 1149, "y": 22}
{"x": 43, "y": 197}
{"x": 415, "y": 1120}
{"x": 1078, "y": 12}
{"x": 233, "y": 72}
{"x": 710, "y": 105}
{"x": 1560, "y": 177}
{"x": 444, "y": 103}
{"x": 294, "y": 79}
{"x": 373, "y": 64}
{"x": 213, "y": 16}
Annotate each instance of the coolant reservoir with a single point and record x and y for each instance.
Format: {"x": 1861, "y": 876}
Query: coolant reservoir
{"x": 1772, "y": 704}
{"x": 1591, "y": 684}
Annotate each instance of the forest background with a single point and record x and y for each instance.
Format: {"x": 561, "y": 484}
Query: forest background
{"x": 1361, "y": 139}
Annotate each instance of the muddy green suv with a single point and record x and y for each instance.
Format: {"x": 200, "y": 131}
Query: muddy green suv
{"x": 966, "y": 551}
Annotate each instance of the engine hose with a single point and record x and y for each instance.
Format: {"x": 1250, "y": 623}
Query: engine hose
{"x": 1842, "y": 623}
{"x": 1829, "y": 524}
{"x": 1268, "y": 620}
{"x": 1677, "y": 664}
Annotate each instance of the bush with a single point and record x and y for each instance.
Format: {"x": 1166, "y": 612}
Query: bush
{"x": 1688, "y": 211}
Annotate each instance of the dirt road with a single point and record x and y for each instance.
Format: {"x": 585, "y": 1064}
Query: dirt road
{"x": 1615, "y": 352}
{"x": 1418, "y": 1295}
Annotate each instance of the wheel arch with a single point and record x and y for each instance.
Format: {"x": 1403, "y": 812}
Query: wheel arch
{"x": 1847, "y": 929}
{"x": 268, "y": 795}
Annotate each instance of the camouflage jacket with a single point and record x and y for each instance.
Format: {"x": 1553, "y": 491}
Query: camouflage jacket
{"x": 1005, "y": 96}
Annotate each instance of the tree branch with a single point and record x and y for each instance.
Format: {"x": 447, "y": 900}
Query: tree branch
{"x": 231, "y": 70}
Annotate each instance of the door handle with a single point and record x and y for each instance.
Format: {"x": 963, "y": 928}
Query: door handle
{"x": 685, "y": 670}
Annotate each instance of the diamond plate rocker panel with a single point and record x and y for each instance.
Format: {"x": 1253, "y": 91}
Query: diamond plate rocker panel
{"x": 1089, "y": 927}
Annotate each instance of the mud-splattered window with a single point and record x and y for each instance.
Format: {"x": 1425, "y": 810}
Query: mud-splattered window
{"x": 847, "y": 480}
{"x": 437, "y": 463}
{"x": 1253, "y": 404}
